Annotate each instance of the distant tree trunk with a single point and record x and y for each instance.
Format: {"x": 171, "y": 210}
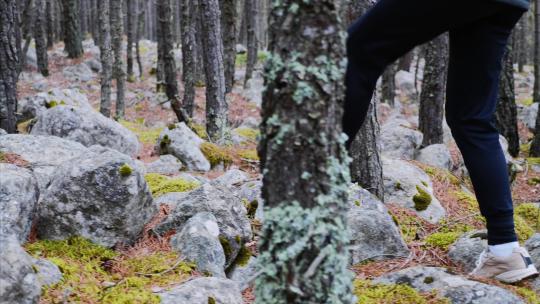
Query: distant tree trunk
{"x": 303, "y": 246}
{"x": 189, "y": 57}
{"x": 106, "y": 57}
{"x": 389, "y": 85}
{"x": 118, "y": 69}
{"x": 520, "y": 49}
{"x": 216, "y": 105}
{"x": 251, "y": 14}
{"x": 130, "y": 6}
{"x": 405, "y": 62}
{"x": 165, "y": 49}
{"x": 228, "y": 26}
{"x": 535, "y": 146}
{"x": 39, "y": 37}
{"x": 26, "y": 31}
{"x": 536, "y": 93}
{"x": 432, "y": 97}
{"x": 72, "y": 32}
{"x": 506, "y": 114}
{"x": 9, "y": 64}
{"x": 50, "y": 24}
{"x": 200, "y": 76}
{"x": 140, "y": 29}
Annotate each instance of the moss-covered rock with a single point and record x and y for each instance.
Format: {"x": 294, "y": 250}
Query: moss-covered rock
{"x": 146, "y": 135}
{"x": 530, "y": 213}
{"x": 421, "y": 199}
{"x": 247, "y": 133}
{"x": 125, "y": 170}
{"x": 161, "y": 184}
{"x": 523, "y": 230}
{"x": 249, "y": 154}
{"x": 442, "y": 239}
{"x": 216, "y": 155}
{"x": 370, "y": 293}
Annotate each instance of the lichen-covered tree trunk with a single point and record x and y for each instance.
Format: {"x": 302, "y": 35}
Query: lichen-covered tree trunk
{"x": 130, "y": 17}
{"x": 303, "y": 246}
{"x": 119, "y": 74}
{"x": 431, "y": 112}
{"x": 165, "y": 50}
{"x": 228, "y": 26}
{"x": 536, "y": 92}
{"x": 50, "y": 23}
{"x": 189, "y": 58}
{"x": 388, "y": 90}
{"x": 106, "y": 57}
{"x": 139, "y": 33}
{"x": 216, "y": 105}
{"x": 506, "y": 114}
{"x": 40, "y": 27}
{"x": 9, "y": 64}
{"x": 72, "y": 33}
{"x": 251, "y": 15}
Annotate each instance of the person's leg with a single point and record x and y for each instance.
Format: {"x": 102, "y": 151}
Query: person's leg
{"x": 389, "y": 30}
{"x": 476, "y": 52}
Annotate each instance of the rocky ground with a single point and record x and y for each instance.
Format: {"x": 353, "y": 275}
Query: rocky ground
{"x": 146, "y": 210}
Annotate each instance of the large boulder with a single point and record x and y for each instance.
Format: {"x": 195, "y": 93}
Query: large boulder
{"x": 232, "y": 178}
{"x": 533, "y": 246}
{"x": 374, "y": 235}
{"x": 19, "y": 194}
{"x": 399, "y": 140}
{"x": 78, "y": 72}
{"x": 43, "y": 153}
{"x": 251, "y": 192}
{"x": 466, "y": 250}
{"x": 48, "y": 273}
{"x": 204, "y": 291}
{"x": 231, "y": 215}
{"x": 93, "y": 64}
{"x": 527, "y": 114}
{"x": 410, "y": 187}
{"x": 166, "y": 164}
{"x": 86, "y": 127}
{"x": 101, "y": 195}
{"x": 19, "y": 283}
{"x": 32, "y": 106}
{"x": 436, "y": 155}
{"x": 184, "y": 144}
{"x": 457, "y": 289}
{"x": 198, "y": 241}
{"x": 245, "y": 274}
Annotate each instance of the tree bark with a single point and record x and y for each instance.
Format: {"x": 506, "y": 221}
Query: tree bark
{"x": 130, "y": 6}
{"x": 118, "y": 69}
{"x": 40, "y": 39}
{"x": 216, "y": 105}
{"x": 106, "y": 57}
{"x": 250, "y": 13}
{"x": 50, "y": 23}
{"x": 72, "y": 32}
{"x": 189, "y": 57}
{"x": 228, "y": 26}
{"x": 389, "y": 85}
{"x": 303, "y": 246}
{"x": 432, "y": 97}
{"x": 140, "y": 29}
{"x": 536, "y": 93}
{"x": 9, "y": 64}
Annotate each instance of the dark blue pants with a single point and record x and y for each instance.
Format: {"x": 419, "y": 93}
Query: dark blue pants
{"x": 479, "y": 31}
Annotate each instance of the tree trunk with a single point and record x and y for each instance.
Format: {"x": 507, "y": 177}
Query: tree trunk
{"x": 432, "y": 97}
{"x": 50, "y": 24}
{"x": 389, "y": 85}
{"x": 536, "y": 93}
{"x": 72, "y": 32}
{"x": 118, "y": 69}
{"x": 250, "y": 13}
{"x": 303, "y": 246}
{"x": 140, "y": 29}
{"x": 535, "y": 146}
{"x": 506, "y": 114}
{"x": 189, "y": 58}
{"x": 228, "y": 26}
{"x": 405, "y": 62}
{"x": 165, "y": 50}
{"x": 106, "y": 57}
{"x": 39, "y": 37}
{"x": 216, "y": 105}
{"x": 130, "y": 6}
{"x": 9, "y": 64}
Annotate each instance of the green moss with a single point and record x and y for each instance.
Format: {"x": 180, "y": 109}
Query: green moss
{"x": 369, "y": 293}
{"x": 216, "y": 155}
{"x": 422, "y": 199}
{"x": 442, "y": 175}
{"x": 251, "y": 207}
{"x": 247, "y": 133}
{"x": 529, "y": 295}
{"x": 25, "y": 126}
{"x": 211, "y": 300}
{"x": 2, "y": 157}
{"x": 243, "y": 256}
{"x": 171, "y": 126}
{"x": 533, "y": 160}
{"x": 249, "y": 154}
{"x": 530, "y": 213}
{"x": 526, "y": 102}
{"x": 523, "y": 230}
{"x": 398, "y": 186}
{"x": 146, "y": 135}
{"x": 86, "y": 266}
{"x": 161, "y": 184}
{"x": 165, "y": 142}
{"x": 534, "y": 181}
{"x": 227, "y": 249}
{"x": 51, "y": 104}
{"x": 200, "y": 130}
{"x": 429, "y": 280}
{"x": 442, "y": 239}
{"x": 425, "y": 184}
{"x": 409, "y": 225}
{"x": 525, "y": 148}
{"x": 125, "y": 170}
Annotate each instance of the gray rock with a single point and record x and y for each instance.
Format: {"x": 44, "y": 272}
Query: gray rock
{"x": 47, "y": 273}
{"x": 535, "y": 285}
{"x": 171, "y": 199}
{"x": 504, "y": 146}
{"x": 223, "y": 204}
{"x": 79, "y": 72}
{"x": 31, "y": 57}
{"x": 533, "y": 246}
{"x": 250, "y": 122}
{"x": 183, "y": 143}
{"x": 244, "y": 274}
{"x": 32, "y": 106}
{"x": 251, "y": 192}
{"x": 405, "y": 84}
{"x": 166, "y": 164}
{"x": 87, "y": 127}
{"x": 198, "y": 241}
{"x": 201, "y": 290}
{"x": 374, "y": 235}
{"x": 401, "y": 180}
{"x": 240, "y": 49}
{"x": 232, "y": 177}
{"x": 436, "y": 155}
{"x": 527, "y": 114}
{"x": 398, "y": 140}
{"x": 3, "y": 132}
{"x": 466, "y": 250}
{"x": 89, "y": 196}
{"x": 458, "y": 289}
{"x": 19, "y": 194}
{"x": 18, "y": 281}
{"x": 43, "y": 153}
{"x": 93, "y": 64}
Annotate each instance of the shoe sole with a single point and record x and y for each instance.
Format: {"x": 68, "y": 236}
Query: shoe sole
{"x": 514, "y": 276}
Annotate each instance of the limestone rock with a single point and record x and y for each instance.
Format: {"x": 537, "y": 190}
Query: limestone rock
{"x": 184, "y": 144}
{"x": 204, "y": 291}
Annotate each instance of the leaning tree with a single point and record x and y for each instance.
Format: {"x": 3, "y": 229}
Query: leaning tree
{"x": 303, "y": 247}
